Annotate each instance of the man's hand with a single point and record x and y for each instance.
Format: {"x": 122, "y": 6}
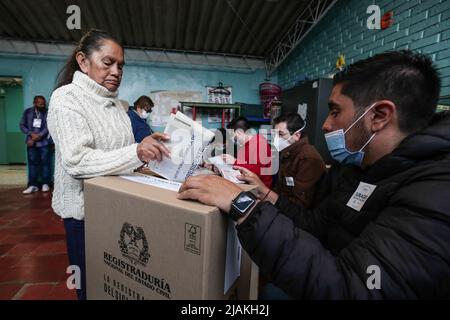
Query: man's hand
{"x": 152, "y": 149}
{"x": 253, "y": 179}
{"x": 35, "y": 136}
{"x": 30, "y": 143}
{"x": 211, "y": 190}
{"x": 262, "y": 191}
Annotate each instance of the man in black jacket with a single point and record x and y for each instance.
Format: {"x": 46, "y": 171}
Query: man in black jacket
{"x": 379, "y": 227}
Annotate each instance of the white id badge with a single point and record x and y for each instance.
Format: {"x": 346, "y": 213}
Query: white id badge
{"x": 290, "y": 181}
{"x": 37, "y": 123}
{"x": 361, "y": 195}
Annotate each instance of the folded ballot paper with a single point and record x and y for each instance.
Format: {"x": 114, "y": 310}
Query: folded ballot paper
{"x": 226, "y": 170}
{"x": 188, "y": 140}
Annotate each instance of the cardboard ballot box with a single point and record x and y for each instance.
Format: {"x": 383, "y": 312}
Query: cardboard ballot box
{"x": 144, "y": 243}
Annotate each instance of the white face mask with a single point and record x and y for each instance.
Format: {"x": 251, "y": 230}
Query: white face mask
{"x": 144, "y": 115}
{"x": 280, "y": 143}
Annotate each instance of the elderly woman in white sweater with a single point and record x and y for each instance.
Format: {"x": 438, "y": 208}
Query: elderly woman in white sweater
{"x": 92, "y": 133}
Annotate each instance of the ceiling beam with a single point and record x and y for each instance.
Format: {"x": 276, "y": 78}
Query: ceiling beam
{"x": 205, "y": 20}
{"x": 158, "y": 22}
{"x": 20, "y": 20}
{"x": 184, "y": 58}
{"x": 126, "y": 22}
{"x": 191, "y": 25}
{"x": 170, "y": 24}
{"x": 287, "y": 11}
{"x": 220, "y": 17}
{"x": 181, "y": 18}
{"x": 240, "y": 29}
{"x": 314, "y": 12}
{"x": 58, "y": 25}
{"x": 261, "y": 20}
{"x": 9, "y": 21}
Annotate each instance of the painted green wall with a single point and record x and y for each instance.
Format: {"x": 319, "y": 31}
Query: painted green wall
{"x": 39, "y": 74}
{"x": 3, "y": 158}
{"x": 419, "y": 25}
{"x": 16, "y": 152}
{"x": 11, "y": 138}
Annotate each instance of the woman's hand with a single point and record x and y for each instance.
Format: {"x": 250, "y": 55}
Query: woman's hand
{"x": 151, "y": 148}
{"x": 143, "y": 169}
{"x": 209, "y": 166}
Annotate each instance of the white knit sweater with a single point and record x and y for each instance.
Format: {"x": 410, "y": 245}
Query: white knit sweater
{"x": 93, "y": 137}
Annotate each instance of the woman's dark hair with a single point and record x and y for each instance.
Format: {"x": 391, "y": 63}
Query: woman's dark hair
{"x": 143, "y": 100}
{"x": 91, "y": 41}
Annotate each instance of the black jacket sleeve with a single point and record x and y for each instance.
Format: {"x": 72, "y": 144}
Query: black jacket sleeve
{"x": 315, "y": 221}
{"x": 408, "y": 242}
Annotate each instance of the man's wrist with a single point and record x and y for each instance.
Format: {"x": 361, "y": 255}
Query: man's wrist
{"x": 241, "y": 204}
{"x": 272, "y": 197}
{"x": 263, "y": 192}
{"x": 243, "y": 218}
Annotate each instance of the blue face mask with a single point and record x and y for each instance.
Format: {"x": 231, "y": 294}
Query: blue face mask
{"x": 338, "y": 150}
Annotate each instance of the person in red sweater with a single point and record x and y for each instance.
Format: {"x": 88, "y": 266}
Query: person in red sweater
{"x": 253, "y": 151}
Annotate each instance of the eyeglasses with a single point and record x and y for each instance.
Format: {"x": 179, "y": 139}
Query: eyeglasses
{"x": 147, "y": 107}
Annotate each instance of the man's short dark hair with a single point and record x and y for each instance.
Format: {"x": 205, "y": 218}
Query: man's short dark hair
{"x": 38, "y": 97}
{"x": 293, "y": 121}
{"x": 406, "y": 78}
{"x": 239, "y": 123}
{"x": 142, "y": 100}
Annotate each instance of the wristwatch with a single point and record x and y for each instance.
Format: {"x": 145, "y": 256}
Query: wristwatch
{"x": 241, "y": 205}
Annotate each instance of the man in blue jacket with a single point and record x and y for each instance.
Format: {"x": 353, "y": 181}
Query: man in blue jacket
{"x": 379, "y": 225}
{"x": 138, "y": 115}
{"x": 38, "y": 141}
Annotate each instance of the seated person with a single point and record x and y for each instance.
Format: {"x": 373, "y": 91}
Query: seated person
{"x": 301, "y": 166}
{"x": 253, "y": 152}
{"x": 138, "y": 115}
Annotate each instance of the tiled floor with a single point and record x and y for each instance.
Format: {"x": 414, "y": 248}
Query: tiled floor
{"x": 33, "y": 254}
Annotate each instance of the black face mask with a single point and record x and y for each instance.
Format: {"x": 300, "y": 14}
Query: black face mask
{"x": 40, "y": 109}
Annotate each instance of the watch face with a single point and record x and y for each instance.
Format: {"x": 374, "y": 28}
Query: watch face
{"x": 244, "y": 202}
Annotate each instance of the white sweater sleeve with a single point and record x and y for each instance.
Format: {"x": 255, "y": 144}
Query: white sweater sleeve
{"x": 75, "y": 141}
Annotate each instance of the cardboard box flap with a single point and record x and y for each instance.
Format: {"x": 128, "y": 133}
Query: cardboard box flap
{"x": 148, "y": 192}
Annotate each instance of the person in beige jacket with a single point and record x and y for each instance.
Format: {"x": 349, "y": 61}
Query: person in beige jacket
{"x": 92, "y": 134}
